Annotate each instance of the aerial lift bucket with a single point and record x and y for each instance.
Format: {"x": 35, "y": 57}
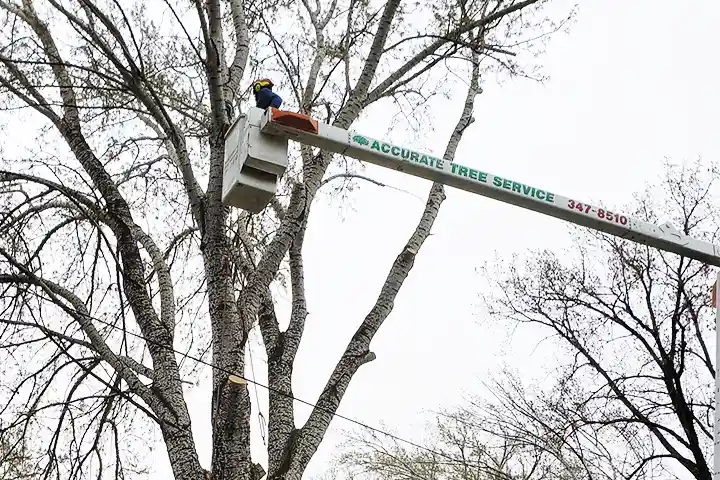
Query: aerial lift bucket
{"x": 254, "y": 163}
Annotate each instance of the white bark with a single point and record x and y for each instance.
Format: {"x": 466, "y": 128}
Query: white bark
{"x": 357, "y": 352}
{"x": 165, "y": 396}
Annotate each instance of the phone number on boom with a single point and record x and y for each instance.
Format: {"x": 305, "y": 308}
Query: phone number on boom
{"x": 606, "y": 215}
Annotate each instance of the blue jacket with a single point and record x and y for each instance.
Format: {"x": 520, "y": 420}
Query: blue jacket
{"x": 267, "y": 98}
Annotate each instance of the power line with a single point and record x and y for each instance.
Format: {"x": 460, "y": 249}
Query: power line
{"x": 73, "y": 312}
{"x": 270, "y": 389}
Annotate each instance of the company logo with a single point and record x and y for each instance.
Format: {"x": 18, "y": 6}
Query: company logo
{"x": 359, "y": 139}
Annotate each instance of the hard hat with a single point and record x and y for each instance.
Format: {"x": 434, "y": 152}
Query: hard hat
{"x": 263, "y": 82}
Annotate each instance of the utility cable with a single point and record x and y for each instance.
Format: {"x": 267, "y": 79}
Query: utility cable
{"x": 75, "y": 313}
{"x": 268, "y": 388}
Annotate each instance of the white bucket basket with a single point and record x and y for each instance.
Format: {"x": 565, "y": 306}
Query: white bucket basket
{"x": 254, "y": 163}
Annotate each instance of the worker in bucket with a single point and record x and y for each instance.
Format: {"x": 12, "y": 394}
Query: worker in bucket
{"x": 264, "y": 96}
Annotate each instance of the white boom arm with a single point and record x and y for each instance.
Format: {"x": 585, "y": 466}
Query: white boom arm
{"x": 380, "y": 152}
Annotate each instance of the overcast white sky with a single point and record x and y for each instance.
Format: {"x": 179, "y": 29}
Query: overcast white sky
{"x": 634, "y": 82}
